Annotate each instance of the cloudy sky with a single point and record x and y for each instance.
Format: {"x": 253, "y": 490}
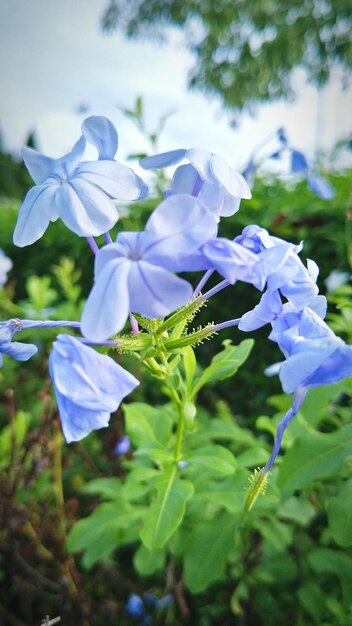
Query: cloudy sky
{"x": 55, "y": 59}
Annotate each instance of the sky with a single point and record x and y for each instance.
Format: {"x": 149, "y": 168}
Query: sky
{"x": 54, "y": 61}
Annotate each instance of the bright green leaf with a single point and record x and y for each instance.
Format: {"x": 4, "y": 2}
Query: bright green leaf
{"x": 216, "y": 458}
{"x": 167, "y": 511}
{"x": 225, "y": 364}
{"x": 340, "y": 516}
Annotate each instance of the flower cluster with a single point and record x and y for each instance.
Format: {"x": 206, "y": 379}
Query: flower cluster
{"x": 135, "y": 277}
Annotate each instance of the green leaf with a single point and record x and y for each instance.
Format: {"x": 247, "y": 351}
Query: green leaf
{"x": 340, "y": 516}
{"x": 216, "y": 458}
{"x": 312, "y": 598}
{"x": 148, "y": 562}
{"x": 206, "y": 552}
{"x": 314, "y": 456}
{"x": 107, "y": 488}
{"x": 252, "y": 457}
{"x": 189, "y": 364}
{"x": 225, "y": 364}
{"x": 145, "y": 423}
{"x": 102, "y": 532}
{"x": 167, "y": 511}
{"x": 297, "y": 510}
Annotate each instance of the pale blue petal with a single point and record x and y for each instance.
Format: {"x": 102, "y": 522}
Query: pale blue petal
{"x": 186, "y": 180}
{"x": 115, "y": 179}
{"x": 230, "y": 204}
{"x": 234, "y": 183}
{"x": 336, "y": 367}
{"x": 213, "y": 197}
{"x": 301, "y": 365}
{"x": 233, "y": 261}
{"x": 84, "y": 209}
{"x": 266, "y": 310}
{"x": 21, "y": 351}
{"x": 200, "y": 159}
{"x": 107, "y": 307}
{"x": 110, "y": 252}
{"x": 164, "y": 159}
{"x": 34, "y": 215}
{"x": 180, "y": 225}
{"x": 66, "y": 165}
{"x": 100, "y": 132}
{"x": 321, "y": 187}
{"x": 76, "y": 365}
{"x": 38, "y": 165}
{"x": 154, "y": 292}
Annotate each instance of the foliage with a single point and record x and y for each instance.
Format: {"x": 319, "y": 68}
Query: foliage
{"x": 246, "y": 51}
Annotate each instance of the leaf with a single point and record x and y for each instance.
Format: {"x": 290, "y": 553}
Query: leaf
{"x": 167, "y": 511}
{"x": 312, "y": 598}
{"x": 297, "y": 510}
{"x": 145, "y": 423}
{"x": 107, "y": 488}
{"x": 216, "y": 458}
{"x": 340, "y": 516}
{"x": 100, "y": 533}
{"x": 314, "y": 456}
{"x": 190, "y": 364}
{"x": 225, "y": 364}
{"x": 252, "y": 457}
{"x": 147, "y": 562}
{"x": 206, "y": 552}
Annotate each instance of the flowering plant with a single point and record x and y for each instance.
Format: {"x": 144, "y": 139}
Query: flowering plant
{"x": 139, "y": 306}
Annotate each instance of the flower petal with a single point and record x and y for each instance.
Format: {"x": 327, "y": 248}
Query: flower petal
{"x": 34, "y": 215}
{"x": 115, "y": 179}
{"x": 180, "y": 225}
{"x": 155, "y": 292}
{"x": 21, "y": 351}
{"x": 100, "y": 132}
{"x": 107, "y": 307}
{"x": 84, "y": 209}
{"x": 234, "y": 183}
{"x": 38, "y": 165}
{"x": 163, "y": 159}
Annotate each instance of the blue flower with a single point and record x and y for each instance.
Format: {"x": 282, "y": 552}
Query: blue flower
{"x": 135, "y": 273}
{"x": 88, "y": 386}
{"x": 233, "y": 261}
{"x": 134, "y": 606}
{"x": 122, "y": 446}
{"x": 5, "y": 266}
{"x": 80, "y": 193}
{"x": 315, "y": 356}
{"x": 206, "y": 176}
{"x": 15, "y": 349}
{"x": 282, "y": 271}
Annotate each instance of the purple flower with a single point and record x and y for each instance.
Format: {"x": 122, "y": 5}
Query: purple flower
{"x": 15, "y": 349}
{"x": 88, "y": 386}
{"x": 80, "y": 193}
{"x": 206, "y": 176}
{"x": 135, "y": 273}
